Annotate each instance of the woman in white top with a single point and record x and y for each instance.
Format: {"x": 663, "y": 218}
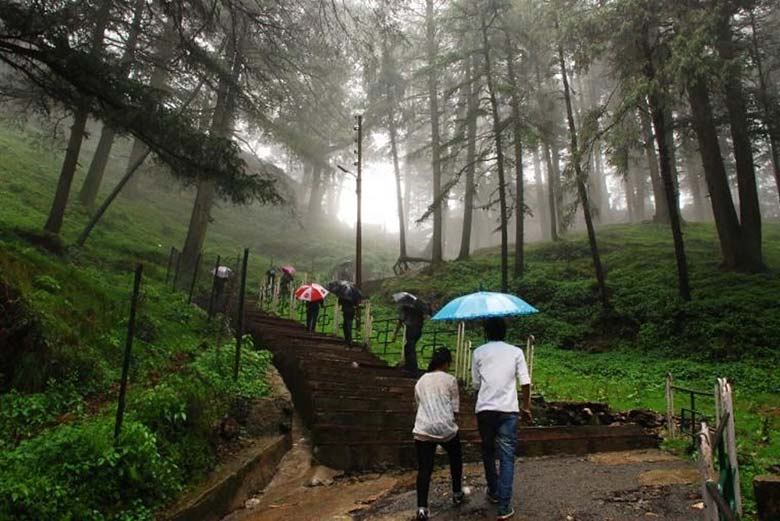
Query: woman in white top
{"x": 436, "y": 394}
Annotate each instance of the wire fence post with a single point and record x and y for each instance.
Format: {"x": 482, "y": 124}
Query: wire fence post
{"x": 240, "y": 327}
{"x": 120, "y": 409}
{"x": 213, "y": 288}
{"x": 194, "y": 277}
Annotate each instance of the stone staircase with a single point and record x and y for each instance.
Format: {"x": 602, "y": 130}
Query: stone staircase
{"x": 361, "y": 412}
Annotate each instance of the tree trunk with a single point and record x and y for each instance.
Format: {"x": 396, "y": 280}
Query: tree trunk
{"x": 67, "y": 172}
{"x": 749, "y": 207}
{"x": 433, "y": 104}
{"x": 671, "y": 147}
{"x": 624, "y": 171}
{"x": 158, "y": 80}
{"x": 541, "y": 210}
{"x": 398, "y": 193}
{"x": 692, "y": 178}
{"x": 504, "y": 221}
{"x": 581, "y": 184}
{"x": 552, "y": 192}
{"x": 77, "y": 131}
{"x": 315, "y": 197}
{"x": 559, "y": 195}
{"x": 222, "y": 126}
{"x": 517, "y": 130}
{"x": 600, "y": 179}
{"x": 661, "y": 208}
{"x": 640, "y": 184}
{"x": 715, "y": 174}
{"x": 658, "y": 114}
{"x": 471, "y": 158}
{"x": 97, "y": 167}
{"x": 600, "y": 183}
{"x": 772, "y": 128}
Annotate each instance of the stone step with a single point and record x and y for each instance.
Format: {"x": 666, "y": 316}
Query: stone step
{"x": 351, "y": 453}
{"x": 362, "y": 417}
{"x": 382, "y": 419}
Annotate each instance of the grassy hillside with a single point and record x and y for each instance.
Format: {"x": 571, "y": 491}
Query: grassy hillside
{"x": 731, "y": 327}
{"x": 63, "y": 318}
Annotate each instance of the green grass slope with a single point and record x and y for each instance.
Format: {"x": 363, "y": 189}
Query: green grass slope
{"x": 731, "y": 327}
{"x": 63, "y": 319}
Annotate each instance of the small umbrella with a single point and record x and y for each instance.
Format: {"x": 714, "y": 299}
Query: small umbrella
{"x": 222, "y": 272}
{"x": 289, "y": 270}
{"x": 407, "y": 300}
{"x": 484, "y": 304}
{"x": 311, "y": 293}
{"x": 345, "y": 290}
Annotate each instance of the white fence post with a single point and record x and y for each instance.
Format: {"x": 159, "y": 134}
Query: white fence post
{"x": 459, "y": 352}
{"x": 336, "y": 318}
{"x": 730, "y": 437}
{"x": 707, "y": 469}
{"x": 468, "y": 363}
{"x": 367, "y": 324}
{"x": 275, "y": 298}
{"x": 530, "y": 348}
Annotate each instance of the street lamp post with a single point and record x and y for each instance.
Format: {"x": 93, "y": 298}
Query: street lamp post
{"x": 358, "y": 191}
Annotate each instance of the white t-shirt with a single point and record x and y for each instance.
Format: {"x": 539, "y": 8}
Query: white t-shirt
{"x": 437, "y": 400}
{"x": 496, "y": 367}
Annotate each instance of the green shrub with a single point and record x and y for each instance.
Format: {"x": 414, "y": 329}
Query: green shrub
{"x": 78, "y": 472}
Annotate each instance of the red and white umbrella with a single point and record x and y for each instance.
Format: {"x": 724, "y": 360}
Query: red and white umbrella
{"x": 311, "y": 293}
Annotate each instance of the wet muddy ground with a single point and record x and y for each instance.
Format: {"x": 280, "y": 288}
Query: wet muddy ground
{"x": 624, "y": 486}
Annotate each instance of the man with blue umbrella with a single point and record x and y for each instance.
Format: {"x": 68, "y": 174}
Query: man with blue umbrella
{"x": 496, "y": 368}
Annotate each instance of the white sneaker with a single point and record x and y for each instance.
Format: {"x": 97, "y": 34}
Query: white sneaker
{"x": 422, "y": 514}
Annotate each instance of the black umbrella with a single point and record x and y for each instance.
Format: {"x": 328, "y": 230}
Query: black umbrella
{"x": 407, "y": 300}
{"x": 345, "y": 290}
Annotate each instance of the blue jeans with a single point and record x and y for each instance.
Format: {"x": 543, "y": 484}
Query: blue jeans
{"x": 498, "y": 431}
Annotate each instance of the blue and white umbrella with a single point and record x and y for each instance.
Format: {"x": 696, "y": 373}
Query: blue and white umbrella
{"x": 484, "y": 304}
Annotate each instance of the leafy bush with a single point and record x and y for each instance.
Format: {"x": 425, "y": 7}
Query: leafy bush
{"x": 78, "y": 472}
{"x": 24, "y": 415}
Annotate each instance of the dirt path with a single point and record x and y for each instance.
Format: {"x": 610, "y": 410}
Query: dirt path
{"x": 291, "y": 496}
{"x": 623, "y": 486}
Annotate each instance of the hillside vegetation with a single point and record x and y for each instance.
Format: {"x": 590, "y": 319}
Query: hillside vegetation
{"x": 63, "y": 320}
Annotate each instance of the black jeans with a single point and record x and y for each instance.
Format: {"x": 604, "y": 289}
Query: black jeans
{"x": 413, "y": 334}
{"x": 348, "y": 318}
{"x": 312, "y": 312}
{"x": 426, "y": 453}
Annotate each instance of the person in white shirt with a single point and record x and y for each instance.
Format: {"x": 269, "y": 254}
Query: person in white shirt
{"x": 496, "y": 367}
{"x": 436, "y": 394}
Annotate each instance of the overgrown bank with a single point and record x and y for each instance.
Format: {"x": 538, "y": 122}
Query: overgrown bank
{"x": 63, "y": 318}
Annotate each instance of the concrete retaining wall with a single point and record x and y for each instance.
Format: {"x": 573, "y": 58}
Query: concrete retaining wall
{"x": 233, "y": 483}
